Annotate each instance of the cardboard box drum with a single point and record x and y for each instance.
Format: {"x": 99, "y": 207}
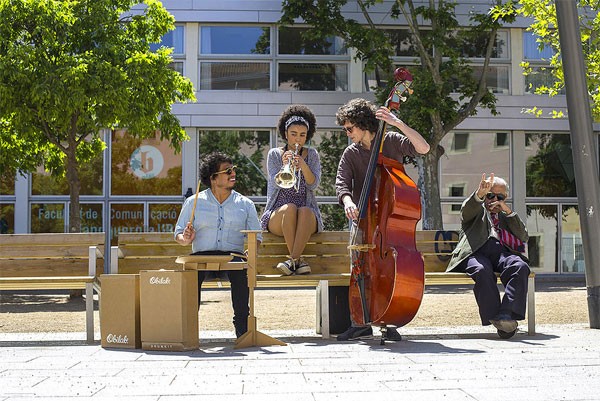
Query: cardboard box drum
{"x": 169, "y": 310}
{"x": 120, "y": 311}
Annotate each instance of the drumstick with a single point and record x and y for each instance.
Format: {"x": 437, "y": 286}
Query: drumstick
{"x": 195, "y": 200}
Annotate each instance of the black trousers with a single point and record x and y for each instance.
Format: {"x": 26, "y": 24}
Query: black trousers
{"x": 491, "y": 258}
{"x": 239, "y": 291}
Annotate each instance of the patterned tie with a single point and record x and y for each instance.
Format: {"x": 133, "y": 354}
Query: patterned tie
{"x": 506, "y": 237}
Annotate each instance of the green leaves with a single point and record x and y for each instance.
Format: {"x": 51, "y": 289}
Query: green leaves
{"x": 71, "y": 68}
{"x": 545, "y": 26}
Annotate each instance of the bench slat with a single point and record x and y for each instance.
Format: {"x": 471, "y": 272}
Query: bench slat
{"x": 46, "y": 268}
{"x": 45, "y": 283}
{"x": 58, "y": 239}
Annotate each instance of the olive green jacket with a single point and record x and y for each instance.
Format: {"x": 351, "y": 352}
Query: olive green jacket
{"x": 476, "y": 228}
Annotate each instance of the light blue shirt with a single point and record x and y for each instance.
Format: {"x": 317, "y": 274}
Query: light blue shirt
{"x": 217, "y": 224}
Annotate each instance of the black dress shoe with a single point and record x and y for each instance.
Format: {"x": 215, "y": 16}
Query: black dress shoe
{"x": 392, "y": 334}
{"x": 505, "y": 323}
{"x": 356, "y": 333}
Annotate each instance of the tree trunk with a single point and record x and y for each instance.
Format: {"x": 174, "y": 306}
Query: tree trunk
{"x": 428, "y": 183}
{"x": 75, "y": 189}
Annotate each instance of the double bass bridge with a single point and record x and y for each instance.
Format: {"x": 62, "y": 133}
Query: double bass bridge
{"x": 361, "y": 247}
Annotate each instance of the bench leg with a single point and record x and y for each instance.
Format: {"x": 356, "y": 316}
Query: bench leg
{"x": 324, "y": 288}
{"x": 89, "y": 312}
{"x": 531, "y": 306}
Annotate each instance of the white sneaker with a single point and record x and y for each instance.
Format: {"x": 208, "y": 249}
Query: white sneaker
{"x": 287, "y": 268}
{"x": 302, "y": 267}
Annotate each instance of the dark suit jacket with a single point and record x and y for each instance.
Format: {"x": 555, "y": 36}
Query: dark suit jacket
{"x": 476, "y": 228}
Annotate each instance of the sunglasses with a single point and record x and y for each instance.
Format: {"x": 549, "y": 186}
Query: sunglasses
{"x": 349, "y": 129}
{"x": 228, "y": 170}
{"x": 491, "y": 195}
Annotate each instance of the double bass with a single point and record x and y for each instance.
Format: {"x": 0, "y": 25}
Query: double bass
{"x": 387, "y": 279}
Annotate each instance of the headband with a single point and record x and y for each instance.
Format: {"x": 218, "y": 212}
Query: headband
{"x": 296, "y": 119}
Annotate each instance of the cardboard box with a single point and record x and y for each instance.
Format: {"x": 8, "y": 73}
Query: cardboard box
{"x": 120, "y": 311}
{"x": 169, "y": 310}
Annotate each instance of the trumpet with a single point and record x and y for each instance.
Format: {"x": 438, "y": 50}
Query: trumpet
{"x": 287, "y": 177}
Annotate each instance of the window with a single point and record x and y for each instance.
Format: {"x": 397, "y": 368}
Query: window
{"x": 460, "y": 142}
{"x": 476, "y": 45}
{"x": 173, "y": 39}
{"x": 248, "y": 149}
{"x": 502, "y": 140}
{"x": 7, "y": 204}
{"x": 538, "y": 72}
{"x": 48, "y": 217}
{"x": 403, "y": 42}
{"x": 542, "y": 226}
{"x": 317, "y": 69}
{"x": 163, "y": 216}
{"x": 550, "y": 171}
{"x": 235, "y": 40}
{"x": 571, "y": 247}
{"x": 144, "y": 166}
{"x": 90, "y": 178}
{"x": 294, "y": 41}
{"x": 234, "y": 76}
{"x": 496, "y": 77}
{"x": 533, "y": 50}
{"x": 91, "y": 217}
{"x": 313, "y": 77}
{"x": 456, "y": 190}
{"x": 7, "y": 184}
{"x": 7, "y": 218}
{"x": 405, "y": 54}
{"x": 247, "y": 57}
{"x": 126, "y": 218}
{"x": 235, "y": 58}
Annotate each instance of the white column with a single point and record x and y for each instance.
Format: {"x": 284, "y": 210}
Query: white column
{"x": 189, "y": 150}
{"x": 22, "y": 204}
{"x": 518, "y": 179}
{"x": 517, "y": 78}
{"x": 355, "y": 73}
{"x": 191, "y": 53}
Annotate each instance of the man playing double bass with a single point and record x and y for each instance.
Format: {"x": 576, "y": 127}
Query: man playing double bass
{"x": 359, "y": 119}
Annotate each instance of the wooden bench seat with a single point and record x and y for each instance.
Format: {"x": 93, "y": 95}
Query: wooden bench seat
{"x": 326, "y": 253}
{"x": 53, "y": 262}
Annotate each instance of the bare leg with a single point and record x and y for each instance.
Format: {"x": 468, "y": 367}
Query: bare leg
{"x": 306, "y": 226}
{"x": 283, "y": 222}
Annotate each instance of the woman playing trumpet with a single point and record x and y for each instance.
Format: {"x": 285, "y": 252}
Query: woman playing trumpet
{"x": 293, "y": 212}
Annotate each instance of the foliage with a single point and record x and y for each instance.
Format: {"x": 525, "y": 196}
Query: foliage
{"x": 251, "y": 180}
{"x": 550, "y": 172}
{"x": 71, "y": 68}
{"x": 446, "y": 89}
{"x": 545, "y": 26}
{"x": 330, "y": 151}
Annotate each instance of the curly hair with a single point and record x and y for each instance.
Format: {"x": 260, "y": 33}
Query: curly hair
{"x": 300, "y": 111}
{"x": 359, "y": 112}
{"x": 210, "y": 165}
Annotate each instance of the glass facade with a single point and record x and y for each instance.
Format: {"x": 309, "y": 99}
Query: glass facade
{"x": 143, "y": 167}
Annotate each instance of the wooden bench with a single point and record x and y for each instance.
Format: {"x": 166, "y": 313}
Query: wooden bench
{"x": 53, "y": 262}
{"x": 326, "y": 253}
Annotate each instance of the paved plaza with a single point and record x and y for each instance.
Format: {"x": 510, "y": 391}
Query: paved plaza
{"x": 560, "y": 362}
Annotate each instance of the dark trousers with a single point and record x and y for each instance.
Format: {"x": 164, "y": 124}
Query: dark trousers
{"x": 491, "y": 258}
{"x": 239, "y": 291}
